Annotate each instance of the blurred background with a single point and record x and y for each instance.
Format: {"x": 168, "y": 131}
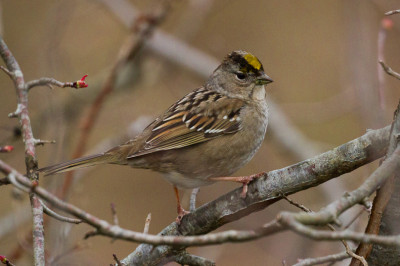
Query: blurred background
{"x": 328, "y": 89}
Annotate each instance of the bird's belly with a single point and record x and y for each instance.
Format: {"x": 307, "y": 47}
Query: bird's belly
{"x": 183, "y": 181}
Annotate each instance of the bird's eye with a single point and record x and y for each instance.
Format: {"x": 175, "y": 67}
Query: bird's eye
{"x": 241, "y": 75}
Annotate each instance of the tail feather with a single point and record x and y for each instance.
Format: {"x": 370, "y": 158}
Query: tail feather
{"x": 77, "y": 163}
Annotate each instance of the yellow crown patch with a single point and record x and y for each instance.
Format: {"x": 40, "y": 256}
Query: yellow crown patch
{"x": 253, "y": 61}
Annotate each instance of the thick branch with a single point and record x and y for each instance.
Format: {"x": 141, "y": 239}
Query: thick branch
{"x": 262, "y": 193}
{"x": 267, "y": 190}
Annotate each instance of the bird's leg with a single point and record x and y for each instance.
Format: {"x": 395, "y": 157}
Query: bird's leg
{"x": 245, "y": 180}
{"x": 181, "y": 211}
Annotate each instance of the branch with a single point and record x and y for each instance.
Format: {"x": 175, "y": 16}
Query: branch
{"x": 262, "y": 193}
{"x": 5, "y": 261}
{"x": 267, "y": 190}
{"x": 22, "y": 113}
{"x": 143, "y": 28}
{"x": 383, "y": 197}
{"x": 331, "y": 212}
{"x": 188, "y": 259}
{"x": 389, "y": 70}
{"x": 51, "y": 81}
{"x": 59, "y": 217}
{"x": 392, "y": 12}
{"x": 330, "y": 258}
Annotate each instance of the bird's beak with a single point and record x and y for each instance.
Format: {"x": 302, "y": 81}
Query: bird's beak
{"x": 263, "y": 79}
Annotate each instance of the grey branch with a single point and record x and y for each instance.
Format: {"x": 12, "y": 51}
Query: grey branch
{"x": 15, "y": 73}
{"x": 330, "y": 258}
{"x": 389, "y": 70}
{"x": 229, "y": 207}
{"x": 331, "y": 212}
{"x": 392, "y": 12}
{"x": 187, "y": 259}
{"x": 267, "y": 190}
{"x": 262, "y": 192}
{"x": 147, "y": 224}
{"x": 57, "y": 216}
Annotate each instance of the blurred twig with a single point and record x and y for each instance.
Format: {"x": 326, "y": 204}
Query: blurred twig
{"x": 389, "y": 70}
{"x": 57, "y": 216}
{"x": 142, "y": 29}
{"x": 147, "y": 224}
{"x": 386, "y": 24}
{"x": 392, "y": 12}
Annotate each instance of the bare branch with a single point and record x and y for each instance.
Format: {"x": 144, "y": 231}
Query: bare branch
{"x": 389, "y": 13}
{"x": 330, "y": 226}
{"x": 389, "y": 70}
{"x": 114, "y": 214}
{"x": 22, "y": 112}
{"x": 330, "y": 258}
{"x": 185, "y": 258}
{"x": 5, "y": 261}
{"x": 53, "y": 82}
{"x": 59, "y": 217}
{"x": 7, "y": 71}
{"x": 332, "y": 211}
{"x": 117, "y": 260}
{"x": 262, "y": 193}
{"x": 259, "y": 191}
{"x": 147, "y": 224}
{"x": 143, "y": 28}
{"x": 39, "y": 142}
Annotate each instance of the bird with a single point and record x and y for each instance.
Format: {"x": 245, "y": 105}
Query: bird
{"x": 202, "y": 138}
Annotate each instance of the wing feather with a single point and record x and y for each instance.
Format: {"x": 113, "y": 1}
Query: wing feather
{"x": 198, "y": 117}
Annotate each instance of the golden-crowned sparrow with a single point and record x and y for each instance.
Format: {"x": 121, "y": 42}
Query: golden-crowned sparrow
{"x": 210, "y": 133}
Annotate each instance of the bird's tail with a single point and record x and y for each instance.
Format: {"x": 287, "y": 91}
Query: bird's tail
{"x": 90, "y": 160}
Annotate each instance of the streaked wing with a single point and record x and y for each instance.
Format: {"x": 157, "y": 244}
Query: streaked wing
{"x": 198, "y": 117}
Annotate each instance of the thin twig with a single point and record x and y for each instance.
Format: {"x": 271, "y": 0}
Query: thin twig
{"x": 331, "y": 227}
{"x": 130, "y": 48}
{"x": 389, "y": 70}
{"x": 147, "y": 224}
{"x": 386, "y": 24}
{"x": 5, "y": 261}
{"x": 346, "y": 226}
{"x": 117, "y": 260}
{"x": 53, "y": 82}
{"x": 40, "y": 142}
{"x": 330, "y": 258}
{"x": 59, "y": 217}
{"x": 334, "y": 209}
{"x": 114, "y": 214}
{"x": 7, "y": 71}
{"x": 392, "y": 12}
